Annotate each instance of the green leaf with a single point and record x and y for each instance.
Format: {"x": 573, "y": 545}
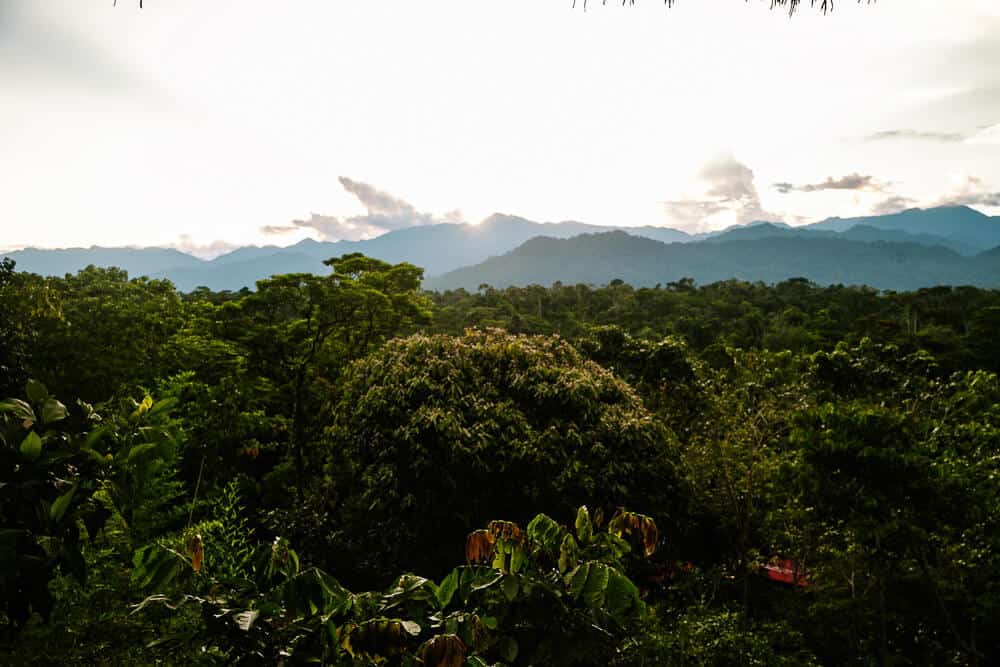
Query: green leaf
{"x": 144, "y": 407}
{"x": 163, "y": 405}
{"x": 507, "y": 648}
{"x": 18, "y": 408}
{"x": 589, "y": 582}
{"x": 446, "y": 590}
{"x": 621, "y": 595}
{"x": 61, "y": 504}
{"x": 489, "y": 621}
{"x": 584, "y": 527}
{"x": 545, "y": 531}
{"x": 510, "y": 586}
{"x": 53, "y": 411}
{"x": 155, "y": 567}
{"x": 31, "y": 446}
{"x": 569, "y": 553}
{"x": 95, "y": 436}
{"x": 139, "y": 450}
{"x": 36, "y": 391}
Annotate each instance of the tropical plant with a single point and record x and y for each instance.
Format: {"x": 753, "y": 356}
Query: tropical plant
{"x": 549, "y": 595}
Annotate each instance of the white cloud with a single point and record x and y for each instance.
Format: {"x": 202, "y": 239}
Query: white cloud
{"x": 968, "y": 190}
{"x": 384, "y": 213}
{"x": 728, "y": 196}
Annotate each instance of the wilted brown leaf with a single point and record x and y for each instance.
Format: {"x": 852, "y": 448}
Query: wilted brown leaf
{"x": 506, "y": 530}
{"x": 443, "y": 651}
{"x": 197, "y": 552}
{"x": 627, "y": 524}
{"x": 479, "y": 546}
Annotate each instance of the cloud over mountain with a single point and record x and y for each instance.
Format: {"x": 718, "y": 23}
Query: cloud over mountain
{"x": 728, "y": 188}
{"x": 385, "y": 212}
{"x": 968, "y": 190}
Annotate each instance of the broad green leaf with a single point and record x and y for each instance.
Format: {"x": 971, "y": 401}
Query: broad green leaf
{"x": 545, "y": 531}
{"x": 584, "y": 527}
{"x": 61, "y": 504}
{"x": 95, "y": 436}
{"x": 36, "y": 391}
{"x": 18, "y": 408}
{"x": 589, "y": 582}
{"x": 31, "y": 446}
{"x": 569, "y": 553}
{"x": 621, "y": 596}
{"x": 410, "y": 587}
{"x": 507, "y": 648}
{"x": 155, "y": 567}
{"x": 162, "y": 405}
{"x": 53, "y": 411}
{"x": 510, "y": 586}
{"x": 139, "y": 450}
{"x": 446, "y": 590}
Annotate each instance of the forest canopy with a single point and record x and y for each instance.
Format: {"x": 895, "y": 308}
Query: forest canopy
{"x": 346, "y": 469}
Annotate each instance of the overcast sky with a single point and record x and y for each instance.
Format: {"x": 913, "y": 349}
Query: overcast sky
{"x": 211, "y": 124}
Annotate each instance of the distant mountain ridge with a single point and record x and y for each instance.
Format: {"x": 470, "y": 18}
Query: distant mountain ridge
{"x": 956, "y": 223}
{"x": 444, "y": 248}
{"x": 597, "y": 259}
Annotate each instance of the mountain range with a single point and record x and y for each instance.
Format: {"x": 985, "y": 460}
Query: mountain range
{"x": 600, "y": 258}
{"x": 945, "y": 245}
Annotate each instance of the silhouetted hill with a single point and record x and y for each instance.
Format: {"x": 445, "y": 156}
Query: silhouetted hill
{"x": 601, "y": 258}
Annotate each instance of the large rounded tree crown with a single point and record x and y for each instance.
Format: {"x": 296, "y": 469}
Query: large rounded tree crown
{"x": 444, "y": 433}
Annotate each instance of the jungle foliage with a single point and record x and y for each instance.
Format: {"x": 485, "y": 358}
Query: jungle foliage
{"x": 346, "y": 470}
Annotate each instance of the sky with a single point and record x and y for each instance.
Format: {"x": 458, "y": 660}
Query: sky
{"x": 209, "y": 125}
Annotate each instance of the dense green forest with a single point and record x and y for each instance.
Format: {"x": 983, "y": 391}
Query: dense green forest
{"x": 345, "y": 469}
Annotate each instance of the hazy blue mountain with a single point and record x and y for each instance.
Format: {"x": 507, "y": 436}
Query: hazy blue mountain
{"x": 137, "y": 261}
{"x": 235, "y": 274}
{"x": 443, "y": 248}
{"x": 859, "y": 232}
{"x": 599, "y": 258}
{"x": 956, "y": 223}
{"x": 436, "y": 248}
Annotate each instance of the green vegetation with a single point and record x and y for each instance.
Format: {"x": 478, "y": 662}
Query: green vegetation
{"x": 343, "y": 469}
